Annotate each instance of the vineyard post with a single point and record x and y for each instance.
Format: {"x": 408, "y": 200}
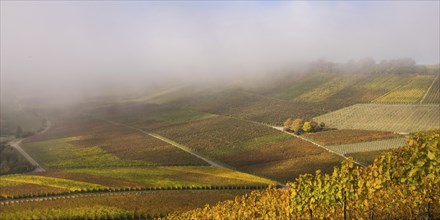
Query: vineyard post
{"x": 372, "y": 213}
{"x": 344, "y": 205}
{"x": 428, "y": 213}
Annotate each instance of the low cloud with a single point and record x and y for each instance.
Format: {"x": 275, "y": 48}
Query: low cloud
{"x": 71, "y": 48}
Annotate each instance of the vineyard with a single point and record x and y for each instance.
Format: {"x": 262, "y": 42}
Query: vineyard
{"x": 384, "y": 117}
{"x": 61, "y": 153}
{"x": 433, "y": 96}
{"x": 329, "y": 88}
{"x": 101, "y": 165}
{"x": 118, "y": 205}
{"x": 366, "y": 157}
{"x": 400, "y": 184}
{"x": 412, "y": 92}
{"x": 251, "y": 147}
{"x": 345, "y": 136}
{"x": 324, "y": 87}
{"x": 105, "y": 180}
{"x": 368, "y": 146}
{"x": 220, "y": 137}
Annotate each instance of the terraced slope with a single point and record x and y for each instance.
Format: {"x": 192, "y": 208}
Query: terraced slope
{"x": 384, "y": 117}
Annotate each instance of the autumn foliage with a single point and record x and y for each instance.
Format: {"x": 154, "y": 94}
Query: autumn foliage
{"x": 403, "y": 183}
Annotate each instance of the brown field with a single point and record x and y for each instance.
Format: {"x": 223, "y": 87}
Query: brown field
{"x": 130, "y": 144}
{"x": 284, "y": 161}
{"x": 347, "y": 136}
{"x": 220, "y": 137}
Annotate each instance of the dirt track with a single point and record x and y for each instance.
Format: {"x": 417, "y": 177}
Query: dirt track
{"x": 16, "y": 144}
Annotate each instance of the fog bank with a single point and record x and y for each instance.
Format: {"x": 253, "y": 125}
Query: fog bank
{"x": 71, "y": 49}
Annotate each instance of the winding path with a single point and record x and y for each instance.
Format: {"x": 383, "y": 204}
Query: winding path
{"x": 184, "y": 148}
{"x": 297, "y": 136}
{"x": 16, "y": 144}
{"x": 314, "y": 143}
{"x": 180, "y": 146}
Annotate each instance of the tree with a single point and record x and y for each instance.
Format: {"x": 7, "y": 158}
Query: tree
{"x": 322, "y": 125}
{"x": 296, "y": 125}
{"x": 18, "y": 132}
{"x": 287, "y": 123}
{"x": 307, "y": 127}
{"x": 315, "y": 126}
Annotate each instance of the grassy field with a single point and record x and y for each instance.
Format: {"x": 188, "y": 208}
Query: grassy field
{"x": 346, "y": 136}
{"x": 384, "y": 117}
{"x": 433, "y": 96}
{"x": 369, "y": 146}
{"x": 411, "y": 92}
{"x": 120, "y": 206}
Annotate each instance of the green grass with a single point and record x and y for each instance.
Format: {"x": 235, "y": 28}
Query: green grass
{"x": 384, "y": 117}
{"x": 59, "y": 153}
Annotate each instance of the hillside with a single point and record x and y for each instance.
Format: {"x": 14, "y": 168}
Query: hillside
{"x": 193, "y": 145}
{"x": 403, "y": 183}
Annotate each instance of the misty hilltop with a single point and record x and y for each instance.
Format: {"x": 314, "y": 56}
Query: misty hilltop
{"x": 73, "y": 49}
